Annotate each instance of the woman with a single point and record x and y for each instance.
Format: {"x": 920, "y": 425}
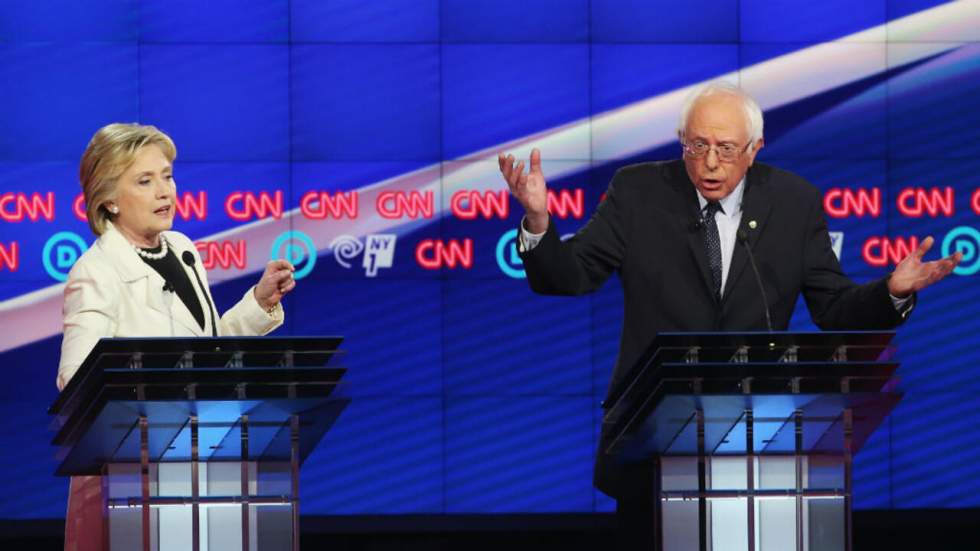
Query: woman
{"x": 135, "y": 282}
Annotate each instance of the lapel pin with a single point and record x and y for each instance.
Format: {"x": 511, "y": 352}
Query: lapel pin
{"x": 752, "y": 224}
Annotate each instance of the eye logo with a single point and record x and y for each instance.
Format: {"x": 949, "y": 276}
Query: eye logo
{"x": 345, "y": 248}
{"x": 508, "y": 260}
{"x": 60, "y": 253}
{"x": 966, "y": 240}
{"x": 299, "y": 249}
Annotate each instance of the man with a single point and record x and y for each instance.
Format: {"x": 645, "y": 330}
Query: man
{"x": 677, "y": 233}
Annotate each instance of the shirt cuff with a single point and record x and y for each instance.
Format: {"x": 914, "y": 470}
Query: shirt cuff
{"x": 528, "y": 240}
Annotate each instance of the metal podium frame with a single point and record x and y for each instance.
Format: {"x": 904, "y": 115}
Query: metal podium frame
{"x": 700, "y": 399}
{"x": 137, "y": 408}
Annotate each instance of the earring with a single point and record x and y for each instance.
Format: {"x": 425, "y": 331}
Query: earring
{"x": 114, "y": 209}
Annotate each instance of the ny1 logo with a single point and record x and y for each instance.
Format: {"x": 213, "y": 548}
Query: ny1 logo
{"x": 378, "y": 249}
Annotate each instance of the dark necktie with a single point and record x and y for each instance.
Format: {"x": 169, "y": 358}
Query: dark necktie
{"x": 713, "y": 243}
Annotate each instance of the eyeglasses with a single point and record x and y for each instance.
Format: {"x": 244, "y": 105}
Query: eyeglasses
{"x": 727, "y": 152}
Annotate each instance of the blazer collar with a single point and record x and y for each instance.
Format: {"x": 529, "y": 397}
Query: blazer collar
{"x": 755, "y": 213}
{"x": 687, "y": 215}
{"x": 132, "y": 268}
{"x": 128, "y": 263}
{"x": 184, "y": 316}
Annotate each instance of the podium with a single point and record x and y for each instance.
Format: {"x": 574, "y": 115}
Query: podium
{"x": 198, "y": 440}
{"x": 752, "y": 435}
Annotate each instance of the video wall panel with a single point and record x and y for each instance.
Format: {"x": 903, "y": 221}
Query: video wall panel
{"x": 359, "y": 140}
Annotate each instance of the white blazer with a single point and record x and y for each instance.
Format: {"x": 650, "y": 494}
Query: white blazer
{"x": 112, "y": 292}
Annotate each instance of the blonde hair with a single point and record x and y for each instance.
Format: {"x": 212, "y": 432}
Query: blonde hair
{"x": 110, "y": 152}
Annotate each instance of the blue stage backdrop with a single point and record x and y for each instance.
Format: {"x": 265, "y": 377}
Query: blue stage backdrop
{"x": 359, "y": 139}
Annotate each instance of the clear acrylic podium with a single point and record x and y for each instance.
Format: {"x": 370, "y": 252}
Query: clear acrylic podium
{"x": 752, "y": 435}
{"x": 199, "y": 440}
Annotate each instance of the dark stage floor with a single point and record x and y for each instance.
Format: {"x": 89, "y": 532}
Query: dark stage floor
{"x": 873, "y": 530}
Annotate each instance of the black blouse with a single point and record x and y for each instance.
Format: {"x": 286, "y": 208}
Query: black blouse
{"x": 173, "y": 273}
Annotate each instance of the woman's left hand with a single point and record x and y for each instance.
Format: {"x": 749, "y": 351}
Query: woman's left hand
{"x": 276, "y": 281}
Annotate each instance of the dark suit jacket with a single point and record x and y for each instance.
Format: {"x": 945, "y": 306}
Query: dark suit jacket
{"x": 645, "y": 230}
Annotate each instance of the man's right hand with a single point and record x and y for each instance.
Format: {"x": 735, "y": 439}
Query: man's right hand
{"x": 528, "y": 188}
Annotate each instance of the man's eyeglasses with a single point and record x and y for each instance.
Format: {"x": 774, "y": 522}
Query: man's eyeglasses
{"x": 727, "y": 152}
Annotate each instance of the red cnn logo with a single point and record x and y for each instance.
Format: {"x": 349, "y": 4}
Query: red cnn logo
{"x": 565, "y": 203}
{"x": 78, "y": 207}
{"x": 9, "y": 256}
{"x": 844, "y": 202}
{"x": 398, "y": 204}
{"x": 223, "y": 254}
{"x": 916, "y": 202}
{"x": 14, "y": 207}
{"x": 246, "y": 205}
{"x": 188, "y": 204}
{"x": 881, "y": 251}
{"x": 468, "y": 204}
{"x": 433, "y": 254}
{"x": 319, "y": 205}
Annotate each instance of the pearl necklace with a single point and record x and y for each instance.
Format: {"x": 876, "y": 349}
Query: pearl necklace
{"x": 164, "y": 249}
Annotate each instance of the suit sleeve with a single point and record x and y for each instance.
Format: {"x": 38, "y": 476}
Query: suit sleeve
{"x": 835, "y": 302}
{"x": 90, "y": 311}
{"x": 582, "y": 263}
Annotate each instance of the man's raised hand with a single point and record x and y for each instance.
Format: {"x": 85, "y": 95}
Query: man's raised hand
{"x": 528, "y": 188}
{"x": 912, "y": 274}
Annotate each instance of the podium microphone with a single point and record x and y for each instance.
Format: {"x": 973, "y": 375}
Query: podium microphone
{"x": 188, "y": 259}
{"x": 169, "y": 290}
{"x": 743, "y": 238}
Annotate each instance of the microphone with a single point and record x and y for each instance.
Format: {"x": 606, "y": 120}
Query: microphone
{"x": 743, "y": 238}
{"x": 168, "y": 298}
{"x": 188, "y": 259}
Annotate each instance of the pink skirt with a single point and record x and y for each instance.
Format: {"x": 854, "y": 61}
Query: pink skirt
{"x": 84, "y": 524}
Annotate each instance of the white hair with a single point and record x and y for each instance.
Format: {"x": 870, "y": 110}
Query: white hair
{"x": 753, "y": 114}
